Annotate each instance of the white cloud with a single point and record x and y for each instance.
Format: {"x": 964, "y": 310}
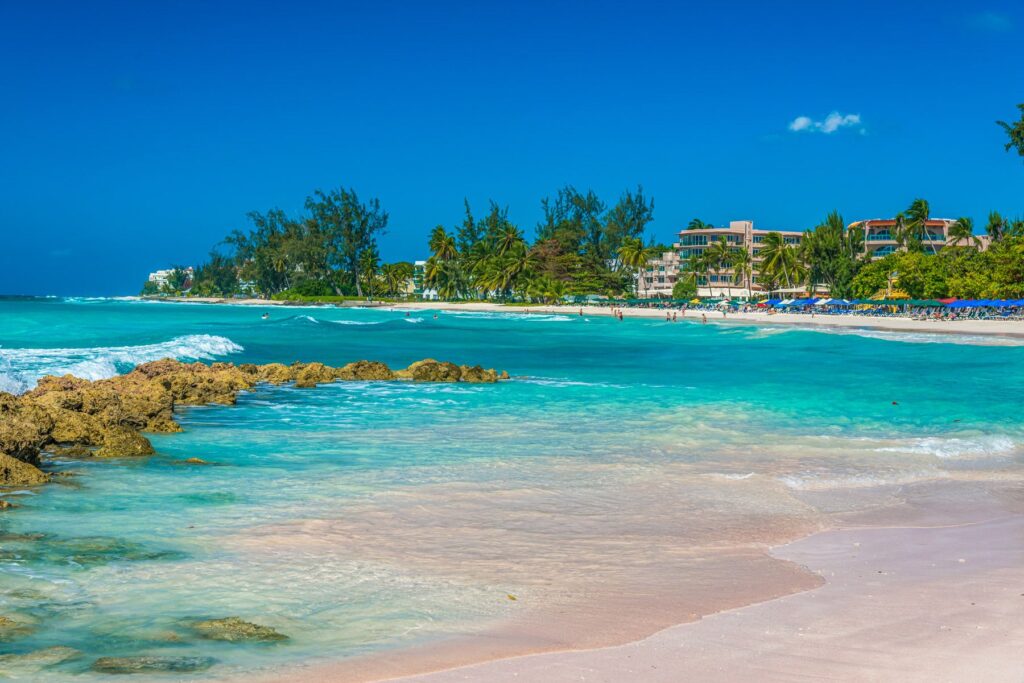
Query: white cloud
{"x": 831, "y": 124}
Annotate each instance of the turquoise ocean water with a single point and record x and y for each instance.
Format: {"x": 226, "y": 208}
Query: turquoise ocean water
{"x": 359, "y": 517}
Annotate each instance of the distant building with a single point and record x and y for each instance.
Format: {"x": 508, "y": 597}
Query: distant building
{"x": 880, "y": 237}
{"x": 418, "y": 284}
{"x": 159, "y": 277}
{"x": 662, "y": 273}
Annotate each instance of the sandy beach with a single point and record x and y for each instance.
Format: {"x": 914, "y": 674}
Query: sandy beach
{"x": 925, "y": 593}
{"x": 1008, "y": 328}
{"x": 996, "y": 328}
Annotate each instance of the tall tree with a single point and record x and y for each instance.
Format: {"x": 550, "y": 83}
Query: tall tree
{"x": 778, "y": 260}
{"x": 742, "y": 268}
{"x": 470, "y": 232}
{"x": 634, "y": 256}
{"x": 350, "y": 226}
{"x": 996, "y": 227}
{"x": 832, "y": 254}
{"x": 963, "y": 231}
{"x": 719, "y": 257}
{"x": 697, "y": 224}
{"x": 1015, "y": 132}
{"x": 917, "y": 216}
{"x": 627, "y": 219}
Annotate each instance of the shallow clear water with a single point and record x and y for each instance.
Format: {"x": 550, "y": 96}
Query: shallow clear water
{"x": 360, "y": 516}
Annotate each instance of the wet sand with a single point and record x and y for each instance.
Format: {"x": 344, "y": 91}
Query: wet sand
{"x": 926, "y": 586}
{"x": 908, "y": 604}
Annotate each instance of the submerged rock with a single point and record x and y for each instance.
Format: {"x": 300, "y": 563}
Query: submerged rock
{"x": 150, "y": 664}
{"x": 12, "y": 629}
{"x": 35, "y": 661}
{"x": 234, "y": 629}
{"x": 6, "y": 504}
{"x": 14, "y": 472}
{"x": 86, "y": 551}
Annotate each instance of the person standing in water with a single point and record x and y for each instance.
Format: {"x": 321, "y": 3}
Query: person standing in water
{"x": 703, "y": 318}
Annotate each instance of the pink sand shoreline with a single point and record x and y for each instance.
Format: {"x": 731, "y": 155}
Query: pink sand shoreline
{"x": 895, "y": 601}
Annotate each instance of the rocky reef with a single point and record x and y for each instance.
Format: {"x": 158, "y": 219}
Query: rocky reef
{"x": 105, "y": 418}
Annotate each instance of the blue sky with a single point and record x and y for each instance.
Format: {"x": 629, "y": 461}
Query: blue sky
{"x": 136, "y": 135}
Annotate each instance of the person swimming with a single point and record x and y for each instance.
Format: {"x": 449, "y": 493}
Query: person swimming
{"x": 265, "y": 316}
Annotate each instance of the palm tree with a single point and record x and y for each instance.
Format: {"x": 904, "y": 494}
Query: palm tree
{"x": 697, "y": 267}
{"x": 634, "y": 255}
{"x": 962, "y": 231}
{"x": 1015, "y": 132}
{"x": 442, "y": 244}
{"x": 997, "y": 226}
{"x": 779, "y": 262}
{"x": 917, "y": 217}
{"x": 697, "y": 224}
{"x": 394, "y": 276}
{"x": 719, "y": 256}
{"x": 743, "y": 267}
{"x": 508, "y": 238}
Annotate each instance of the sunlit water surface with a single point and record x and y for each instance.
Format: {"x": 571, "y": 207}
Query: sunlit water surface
{"x": 358, "y": 516}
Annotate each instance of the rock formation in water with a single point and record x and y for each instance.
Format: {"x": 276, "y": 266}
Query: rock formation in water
{"x": 69, "y": 416}
{"x": 233, "y": 629}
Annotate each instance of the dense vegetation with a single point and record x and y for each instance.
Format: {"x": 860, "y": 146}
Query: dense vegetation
{"x": 582, "y": 246}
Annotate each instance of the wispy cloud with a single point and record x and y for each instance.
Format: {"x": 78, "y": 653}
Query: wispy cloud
{"x": 833, "y": 122}
{"x": 990, "y": 21}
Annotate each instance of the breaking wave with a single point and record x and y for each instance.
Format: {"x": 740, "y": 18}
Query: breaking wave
{"x": 956, "y": 447}
{"x": 20, "y": 369}
{"x": 943, "y": 337}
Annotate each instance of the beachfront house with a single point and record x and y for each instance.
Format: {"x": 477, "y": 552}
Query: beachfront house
{"x": 159, "y": 277}
{"x": 881, "y": 238}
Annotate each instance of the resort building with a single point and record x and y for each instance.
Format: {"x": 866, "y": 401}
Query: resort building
{"x": 662, "y": 273}
{"x": 880, "y": 236}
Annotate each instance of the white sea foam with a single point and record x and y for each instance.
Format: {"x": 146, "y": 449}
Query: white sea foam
{"x": 957, "y": 447}
{"x": 919, "y": 337}
{"x": 818, "y": 482}
{"x": 21, "y": 368}
{"x": 556, "y": 382}
{"x": 494, "y": 315}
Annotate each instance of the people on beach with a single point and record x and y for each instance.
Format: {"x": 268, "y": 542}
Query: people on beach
{"x": 703, "y": 318}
